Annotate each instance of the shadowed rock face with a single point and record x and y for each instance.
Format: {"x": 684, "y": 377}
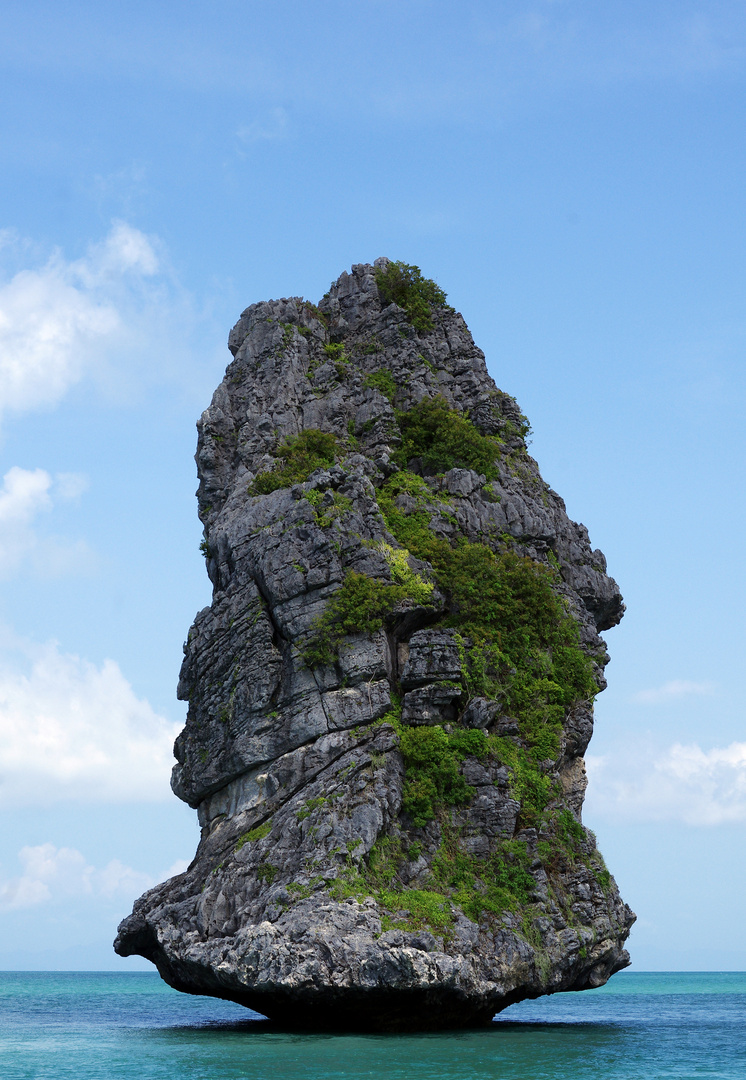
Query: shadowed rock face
{"x": 391, "y": 693}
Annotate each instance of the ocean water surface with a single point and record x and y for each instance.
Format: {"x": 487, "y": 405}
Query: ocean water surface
{"x": 111, "y": 1026}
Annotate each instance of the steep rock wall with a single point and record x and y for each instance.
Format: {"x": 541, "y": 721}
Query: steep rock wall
{"x": 391, "y": 692}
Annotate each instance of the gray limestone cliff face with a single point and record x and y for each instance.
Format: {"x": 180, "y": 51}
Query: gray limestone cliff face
{"x": 387, "y": 840}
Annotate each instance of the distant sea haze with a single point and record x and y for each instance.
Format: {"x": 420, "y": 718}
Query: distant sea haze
{"x": 111, "y": 1026}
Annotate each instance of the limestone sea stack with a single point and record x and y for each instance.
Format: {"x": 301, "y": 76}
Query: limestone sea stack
{"x": 392, "y": 691}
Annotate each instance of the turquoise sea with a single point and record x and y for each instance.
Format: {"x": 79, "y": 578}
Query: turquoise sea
{"x": 104, "y": 1025}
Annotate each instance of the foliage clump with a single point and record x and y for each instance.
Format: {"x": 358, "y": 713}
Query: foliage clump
{"x": 326, "y": 510}
{"x": 298, "y": 457}
{"x": 336, "y": 352}
{"x": 444, "y": 439}
{"x": 403, "y": 284}
{"x": 432, "y": 760}
{"x": 500, "y": 600}
{"x": 478, "y": 886}
{"x": 518, "y": 643}
{"x": 309, "y": 806}
{"x": 257, "y": 833}
{"x": 402, "y": 573}
{"x": 383, "y": 381}
{"x": 359, "y": 606}
{"x": 502, "y": 882}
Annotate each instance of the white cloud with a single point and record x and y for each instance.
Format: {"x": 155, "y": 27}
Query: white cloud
{"x": 51, "y": 874}
{"x": 70, "y": 730}
{"x": 673, "y": 691}
{"x": 25, "y": 495}
{"x": 684, "y": 783}
{"x": 97, "y": 316}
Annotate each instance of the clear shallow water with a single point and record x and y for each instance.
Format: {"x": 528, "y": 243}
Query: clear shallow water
{"x": 108, "y": 1026}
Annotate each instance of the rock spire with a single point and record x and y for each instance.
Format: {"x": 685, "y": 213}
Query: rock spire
{"x": 392, "y": 690}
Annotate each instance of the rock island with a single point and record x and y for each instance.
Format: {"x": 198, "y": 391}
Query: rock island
{"x": 392, "y": 691}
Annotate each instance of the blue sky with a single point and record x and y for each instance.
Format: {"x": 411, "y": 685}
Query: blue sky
{"x": 571, "y": 173}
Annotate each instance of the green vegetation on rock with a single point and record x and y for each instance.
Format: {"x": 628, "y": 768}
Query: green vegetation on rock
{"x": 298, "y": 457}
{"x": 457, "y": 879}
{"x": 403, "y": 284}
{"x": 359, "y": 606}
{"x": 444, "y": 439}
{"x": 327, "y": 510}
{"x": 432, "y": 760}
{"x": 336, "y": 352}
{"x": 519, "y": 643}
{"x": 480, "y": 887}
{"x": 383, "y": 381}
{"x": 402, "y": 573}
{"x": 257, "y": 833}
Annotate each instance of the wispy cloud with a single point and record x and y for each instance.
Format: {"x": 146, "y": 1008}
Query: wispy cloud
{"x": 673, "y": 691}
{"x": 684, "y": 783}
{"x": 702, "y": 43}
{"x": 123, "y": 188}
{"x": 72, "y": 730}
{"x": 50, "y": 874}
{"x": 27, "y": 494}
{"x": 461, "y": 63}
{"x": 585, "y": 45}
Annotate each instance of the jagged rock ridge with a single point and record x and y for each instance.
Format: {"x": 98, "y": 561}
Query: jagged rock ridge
{"x": 391, "y": 693}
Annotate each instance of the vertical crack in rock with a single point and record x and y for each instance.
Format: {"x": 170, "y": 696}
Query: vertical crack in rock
{"x": 391, "y": 693}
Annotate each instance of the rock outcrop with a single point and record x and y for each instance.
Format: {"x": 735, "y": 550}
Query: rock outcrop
{"x": 391, "y": 693}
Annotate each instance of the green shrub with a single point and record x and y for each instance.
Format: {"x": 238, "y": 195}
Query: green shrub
{"x": 602, "y": 874}
{"x": 444, "y": 439}
{"x": 499, "y": 599}
{"x": 532, "y": 788}
{"x": 432, "y": 760}
{"x": 505, "y": 603}
{"x": 423, "y": 908}
{"x": 518, "y": 644}
{"x": 340, "y": 506}
{"x": 491, "y": 886}
{"x": 407, "y": 483}
{"x": 402, "y": 284}
{"x": 298, "y": 457}
{"x": 478, "y": 886}
{"x": 570, "y": 832}
{"x": 359, "y": 606}
{"x": 384, "y": 861}
{"x": 336, "y": 352}
{"x": 257, "y": 833}
{"x": 383, "y": 381}
{"x": 403, "y": 574}
{"x": 310, "y": 805}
